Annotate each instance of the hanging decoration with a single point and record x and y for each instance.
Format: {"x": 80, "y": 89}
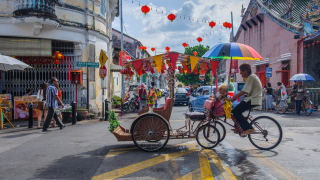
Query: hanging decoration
{"x": 195, "y": 53}
{"x": 158, "y": 62}
{"x": 184, "y": 45}
{"x": 153, "y": 49}
{"x": 195, "y": 71}
{"x": 168, "y": 51}
{"x": 145, "y": 9}
{"x": 167, "y": 48}
{"x": 194, "y": 61}
{"x": 57, "y": 58}
{"x": 212, "y": 24}
{"x": 180, "y": 70}
{"x": 128, "y": 57}
{"x": 229, "y": 26}
{"x": 141, "y": 47}
{"x": 199, "y": 39}
{"x": 174, "y": 58}
{"x": 214, "y": 66}
{"x": 171, "y": 17}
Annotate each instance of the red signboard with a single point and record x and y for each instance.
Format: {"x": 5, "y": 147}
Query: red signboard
{"x": 122, "y": 58}
{"x": 234, "y": 66}
{"x": 103, "y": 72}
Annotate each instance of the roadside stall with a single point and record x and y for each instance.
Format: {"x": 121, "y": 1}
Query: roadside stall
{"x": 21, "y": 107}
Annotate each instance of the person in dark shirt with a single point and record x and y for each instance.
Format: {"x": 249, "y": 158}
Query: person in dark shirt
{"x": 269, "y": 97}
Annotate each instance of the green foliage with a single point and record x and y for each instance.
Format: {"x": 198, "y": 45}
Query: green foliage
{"x": 200, "y": 49}
{"x": 68, "y": 110}
{"x": 114, "y": 123}
{"x": 117, "y": 98}
{"x": 192, "y": 78}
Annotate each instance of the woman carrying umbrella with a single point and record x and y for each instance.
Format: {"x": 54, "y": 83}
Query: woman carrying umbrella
{"x": 301, "y": 92}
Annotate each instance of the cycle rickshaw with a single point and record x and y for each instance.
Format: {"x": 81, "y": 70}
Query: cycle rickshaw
{"x": 151, "y": 131}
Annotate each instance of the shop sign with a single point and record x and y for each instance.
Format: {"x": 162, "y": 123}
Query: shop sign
{"x": 88, "y": 64}
{"x": 122, "y": 58}
{"x": 268, "y": 72}
{"x": 234, "y": 66}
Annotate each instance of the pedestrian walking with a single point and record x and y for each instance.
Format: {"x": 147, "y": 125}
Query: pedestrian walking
{"x": 264, "y": 97}
{"x": 58, "y": 112}
{"x": 282, "y": 93}
{"x": 52, "y": 101}
{"x": 42, "y": 105}
{"x": 268, "y": 97}
{"x": 301, "y": 91}
{"x": 143, "y": 96}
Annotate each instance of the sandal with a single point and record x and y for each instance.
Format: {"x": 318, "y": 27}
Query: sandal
{"x": 38, "y": 127}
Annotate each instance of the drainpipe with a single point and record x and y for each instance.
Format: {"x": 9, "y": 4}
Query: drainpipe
{"x": 86, "y": 54}
{"x": 298, "y": 42}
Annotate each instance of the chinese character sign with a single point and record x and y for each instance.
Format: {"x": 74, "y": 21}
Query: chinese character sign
{"x": 268, "y": 72}
{"x": 122, "y": 58}
{"x": 234, "y": 66}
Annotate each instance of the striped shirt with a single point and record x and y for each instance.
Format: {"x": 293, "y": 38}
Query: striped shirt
{"x": 51, "y": 93}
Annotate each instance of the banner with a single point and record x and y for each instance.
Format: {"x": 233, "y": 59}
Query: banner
{"x": 158, "y": 62}
{"x": 137, "y": 65}
{"x": 193, "y": 61}
{"x": 122, "y": 58}
{"x": 21, "y": 110}
{"x": 174, "y": 58}
{"x": 234, "y": 66}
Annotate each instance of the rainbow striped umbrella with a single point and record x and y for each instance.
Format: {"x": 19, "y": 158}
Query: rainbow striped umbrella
{"x": 232, "y": 51}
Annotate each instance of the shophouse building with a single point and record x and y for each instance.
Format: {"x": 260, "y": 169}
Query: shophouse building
{"x": 33, "y": 30}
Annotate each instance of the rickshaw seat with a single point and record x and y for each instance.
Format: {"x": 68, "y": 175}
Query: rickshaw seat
{"x": 195, "y": 116}
{"x": 165, "y": 111}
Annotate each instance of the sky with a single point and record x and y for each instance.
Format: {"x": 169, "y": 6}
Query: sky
{"x": 155, "y": 30}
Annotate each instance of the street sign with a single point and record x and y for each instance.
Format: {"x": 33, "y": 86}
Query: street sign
{"x": 268, "y": 72}
{"x": 103, "y": 58}
{"x": 103, "y": 72}
{"x": 88, "y": 64}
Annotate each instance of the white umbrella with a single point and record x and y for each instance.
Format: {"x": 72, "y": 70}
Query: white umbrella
{"x": 9, "y": 63}
{"x": 302, "y": 77}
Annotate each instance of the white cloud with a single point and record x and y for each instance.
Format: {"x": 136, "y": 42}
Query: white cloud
{"x": 156, "y": 30}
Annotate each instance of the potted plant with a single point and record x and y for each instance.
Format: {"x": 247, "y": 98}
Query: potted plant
{"x": 67, "y": 115}
{"x": 114, "y": 123}
{"x": 118, "y": 101}
{"x": 82, "y": 114}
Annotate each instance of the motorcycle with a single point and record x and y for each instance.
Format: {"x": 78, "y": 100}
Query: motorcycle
{"x": 134, "y": 103}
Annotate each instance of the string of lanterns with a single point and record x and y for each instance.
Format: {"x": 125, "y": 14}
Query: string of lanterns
{"x": 147, "y": 8}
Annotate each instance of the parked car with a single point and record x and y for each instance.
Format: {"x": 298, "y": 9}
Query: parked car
{"x": 181, "y": 96}
{"x": 198, "y": 98}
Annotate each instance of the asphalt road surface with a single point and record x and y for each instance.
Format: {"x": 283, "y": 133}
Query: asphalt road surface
{"x": 88, "y": 151}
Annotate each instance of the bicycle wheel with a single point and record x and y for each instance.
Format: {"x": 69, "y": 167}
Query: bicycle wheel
{"x": 113, "y": 102}
{"x": 221, "y": 129}
{"x": 125, "y": 107}
{"x": 149, "y": 133}
{"x": 307, "y": 106}
{"x": 208, "y": 136}
{"x": 281, "y": 106}
{"x": 268, "y": 133}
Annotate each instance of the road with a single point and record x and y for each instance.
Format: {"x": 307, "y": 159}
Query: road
{"x": 88, "y": 151}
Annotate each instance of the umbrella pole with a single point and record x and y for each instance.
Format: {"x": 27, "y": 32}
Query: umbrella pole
{"x": 230, "y": 67}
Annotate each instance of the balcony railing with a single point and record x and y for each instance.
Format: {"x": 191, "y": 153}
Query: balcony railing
{"x": 39, "y": 8}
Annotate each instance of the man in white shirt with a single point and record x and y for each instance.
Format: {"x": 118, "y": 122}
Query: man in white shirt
{"x": 253, "y": 89}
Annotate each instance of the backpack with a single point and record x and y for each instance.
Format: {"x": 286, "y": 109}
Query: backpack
{"x": 143, "y": 95}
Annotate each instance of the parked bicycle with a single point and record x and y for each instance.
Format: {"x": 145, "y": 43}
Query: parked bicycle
{"x": 285, "y": 105}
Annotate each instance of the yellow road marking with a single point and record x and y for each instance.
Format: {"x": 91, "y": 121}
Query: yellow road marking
{"x": 196, "y": 174}
{"x": 206, "y": 172}
{"x": 124, "y": 149}
{"x": 182, "y": 144}
{"x": 175, "y": 173}
{"x": 110, "y": 154}
{"x": 144, "y": 164}
{"x": 275, "y": 166}
{"x": 225, "y": 171}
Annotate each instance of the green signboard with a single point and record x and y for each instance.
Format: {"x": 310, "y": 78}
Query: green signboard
{"x": 88, "y": 64}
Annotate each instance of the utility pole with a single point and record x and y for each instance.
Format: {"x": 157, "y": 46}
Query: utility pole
{"x": 232, "y": 36}
{"x": 122, "y": 78}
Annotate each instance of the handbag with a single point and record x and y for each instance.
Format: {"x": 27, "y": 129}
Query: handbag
{"x": 42, "y": 105}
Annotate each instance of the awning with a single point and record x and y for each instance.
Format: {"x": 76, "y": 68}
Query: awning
{"x": 115, "y": 68}
{"x": 284, "y": 65}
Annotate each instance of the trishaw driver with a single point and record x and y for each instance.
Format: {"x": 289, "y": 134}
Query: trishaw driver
{"x": 253, "y": 89}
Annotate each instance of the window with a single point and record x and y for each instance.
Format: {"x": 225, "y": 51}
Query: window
{"x": 181, "y": 90}
{"x": 117, "y": 81}
{"x": 199, "y": 92}
{"x": 103, "y": 8}
{"x": 206, "y": 92}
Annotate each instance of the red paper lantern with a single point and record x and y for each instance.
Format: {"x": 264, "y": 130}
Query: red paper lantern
{"x": 229, "y": 25}
{"x": 57, "y": 57}
{"x": 309, "y": 45}
{"x": 171, "y": 17}
{"x": 225, "y": 24}
{"x": 168, "y": 61}
{"x": 153, "y": 49}
{"x": 141, "y": 47}
{"x": 184, "y": 45}
{"x": 195, "y": 53}
{"x": 125, "y": 71}
{"x": 318, "y": 42}
{"x": 313, "y": 44}
{"x": 128, "y": 57}
{"x": 168, "y": 48}
{"x": 305, "y": 46}
{"x": 168, "y": 51}
{"x": 212, "y": 24}
{"x": 199, "y": 39}
{"x": 145, "y": 9}
{"x": 145, "y": 48}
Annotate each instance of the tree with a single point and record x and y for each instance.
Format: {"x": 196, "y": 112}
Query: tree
{"x": 192, "y": 78}
{"x": 200, "y": 49}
